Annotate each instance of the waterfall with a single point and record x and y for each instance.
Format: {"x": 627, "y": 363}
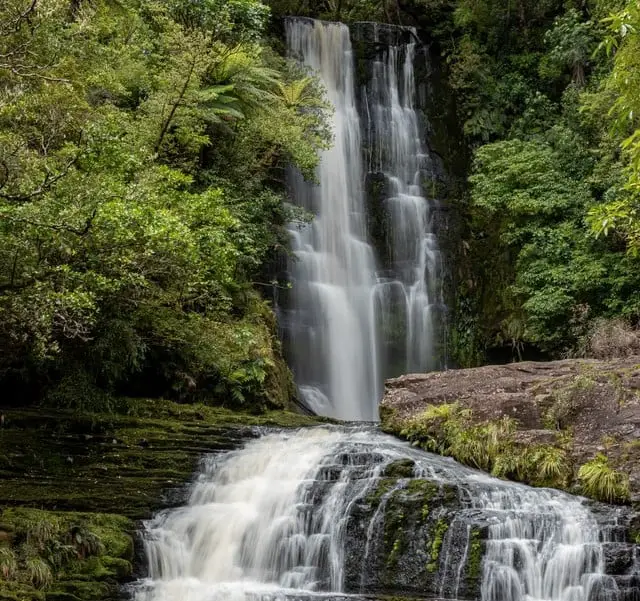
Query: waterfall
{"x": 309, "y": 512}
{"x": 349, "y": 308}
{"x": 335, "y": 335}
{"x": 394, "y": 133}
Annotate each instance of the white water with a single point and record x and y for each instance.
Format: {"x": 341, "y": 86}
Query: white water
{"x": 335, "y": 333}
{"x": 348, "y": 312}
{"x": 395, "y": 133}
{"x": 268, "y": 522}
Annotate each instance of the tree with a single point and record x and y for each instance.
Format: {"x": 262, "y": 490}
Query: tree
{"x": 621, "y": 214}
{"x": 139, "y": 151}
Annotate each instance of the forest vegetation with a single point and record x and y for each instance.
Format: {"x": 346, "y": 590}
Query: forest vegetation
{"x": 143, "y": 147}
{"x": 546, "y": 98}
{"x": 142, "y": 155}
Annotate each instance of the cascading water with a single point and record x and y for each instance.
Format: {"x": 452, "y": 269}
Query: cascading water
{"x": 348, "y": 311}
{"x": 304, "y": 513}
{"x": 329, "y": 512}
{"x": 409, "y": 296}
{"x": 334, "y": 332}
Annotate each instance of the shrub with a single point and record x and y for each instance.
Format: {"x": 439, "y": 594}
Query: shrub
{"x": 600, "y": 481}
{"x": 611, "y": 338}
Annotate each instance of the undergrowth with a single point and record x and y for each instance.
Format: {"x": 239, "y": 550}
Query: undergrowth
{"x": 448, "y": 429}
{"x": 601, "y": 481}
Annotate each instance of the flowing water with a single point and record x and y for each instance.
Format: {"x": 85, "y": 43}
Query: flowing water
{"x": 313, "y": 513}
{"x": 411, "y": 291}
{"x": 348, "y": 311}
{"x": 274, "y": 520}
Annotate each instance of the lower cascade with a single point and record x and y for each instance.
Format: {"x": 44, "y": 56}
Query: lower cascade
{"x": 331, "y": 511}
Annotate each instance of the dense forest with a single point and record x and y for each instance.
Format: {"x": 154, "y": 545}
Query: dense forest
{"x": 142, "y": 156}
{"x": 143, "y": 149}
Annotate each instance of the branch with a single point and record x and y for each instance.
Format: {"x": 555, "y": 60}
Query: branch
{"x": 58, "y": 228}
{"x": 16, "y": 25}
{"x": 174, "y": 108}
{"x": 45, "y": 186}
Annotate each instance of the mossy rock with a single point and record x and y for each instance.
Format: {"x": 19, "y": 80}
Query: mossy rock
{"x": 402, "y": 468}
{"x": 118, "y": 463}
{"x": 66, "y": 554}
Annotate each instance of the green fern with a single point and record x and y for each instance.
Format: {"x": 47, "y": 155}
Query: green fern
{"x": 298, "y": 93}
{"x": 549, "y": 466}
{"x": 8, "y": 564}
{"x": 38, "y": 572}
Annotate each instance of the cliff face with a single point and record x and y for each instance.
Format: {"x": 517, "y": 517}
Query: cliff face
{"x": 583, "y": 412}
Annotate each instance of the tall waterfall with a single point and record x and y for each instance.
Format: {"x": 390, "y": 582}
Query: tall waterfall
{"x": 413, "y": 287}
{"x": 350, "y": 309}
{"x": 308, "y": 512}
{"x": 335, "y": 332}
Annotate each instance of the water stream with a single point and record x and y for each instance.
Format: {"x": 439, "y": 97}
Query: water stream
{"x": 286, "y": 517}
{"x": 353, "y": 317}
{"x": 333, "y": 322}
{"x": 318, "y": 512}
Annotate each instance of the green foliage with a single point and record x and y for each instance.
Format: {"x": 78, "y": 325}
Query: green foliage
{"x": 621, "y": 213}
{"x": 448, "y": 429}
{"x": 601, "y": 481}
{"x": 551, "y": 466}
{"x": 572, "y": 42}
{"x": 8, "y": 563}
{"x": 47, "y": 548}
{"x": 491, "y": 445}
{"x": 38, "y": 572}
{"x": 553, "y": 130}
{"x": 140, "y": 147}
{"x": 530, "y": 205}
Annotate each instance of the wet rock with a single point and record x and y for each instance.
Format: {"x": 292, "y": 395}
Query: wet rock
{"x": 618, "y": 558}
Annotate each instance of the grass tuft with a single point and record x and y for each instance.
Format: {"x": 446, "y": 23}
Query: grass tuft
{"x": 600, "y": 481}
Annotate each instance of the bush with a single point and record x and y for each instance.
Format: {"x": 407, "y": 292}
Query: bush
{"x": 600, "y": 481}
{"x": 611, "y": 338}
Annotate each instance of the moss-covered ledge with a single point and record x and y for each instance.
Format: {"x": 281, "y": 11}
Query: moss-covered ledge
{"x": 573, "y": 424}
{"x": 73, "y": 487}
{"x": 56, "y": 556}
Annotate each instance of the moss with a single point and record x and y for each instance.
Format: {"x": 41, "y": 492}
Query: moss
{"x": 402, "y": 468}
{"x": 474, "y": 558}
{"x": 394, "y": 535}
{"x": 10, "y": 591}
{"x": 81, "y": 590}
{"x": 90, "y": 462}
{"x": 383, "y": 486}
{"x": 436, "y": 545}
{"x": 425, "y": 490}
{"x": 81, "y": 554}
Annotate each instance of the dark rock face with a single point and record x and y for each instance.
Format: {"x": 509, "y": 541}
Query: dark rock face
{"x": 412, "y": 538}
